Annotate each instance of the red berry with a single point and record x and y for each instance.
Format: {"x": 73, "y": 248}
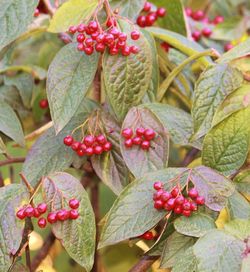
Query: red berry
{"x": 206, "y": 32}
{"x": 113, "y": 51}
{"x": 147, "y": 236}
{"x": 109, "y": 38}
{"x": 29, "y": 211}
{"x": 178, "y": 210}
{"x": 121, "y": 44}
{"x": 95, "y": 35}
{"x": 80, "y": 38}
{"x": 122, "y": 37}
{"x": 179, "y": 200}
{"x": 80, "y": 47}
{"x": 100, "y": 38}
{"x": 228, "y": 47}
{"x": 42, "y": 208}
{"x": 98, "y": 150}
{"x": 100, "y": 47}
{"x": 171, "y": 203}
{"x": 21, "y": 214}
{"x": 165, "y": 196}
{"x": 75, "y": 145}
{"x": 147, "y": 6}
{"x": 218, "y": 20}
{"x": 198, "y": 15}
{"x": 93, "y": 26}
{"x": 134, "y": 49}
{"x": 157, "y": 195}
{"x": 80, "y": 152}
{"x": 126, "y": 51}
{"x": 101, "y": 139}
{"x": 89, "y": 42}
{"x": 186, "y": 213}
{"x": 83, "y": 147}
{"x": 149, "y": 134}
{"x": 196, "y": 35}
{"x": 158, "y": 204}
{"x": 74, "y": 203}
{"x": 193, "y": 193}
{"x": 137, "y": 140}
{"x": 188, "y": 11}
{"x": 135, "y": 35}
{"x": 167, "y": 207}
{"x": 193, "y": 206}
{"x": 158, "y": 185}
{"x": 52, "y": 217}
{"x": 150, "y": 19}
{"x": 127, "y": 133}
{"x": 90, "y": 151}
{"x": 43, "y": 104}
{"x": 37, "y": 12}
{"x": 165, "y": 46}
{"x": 89, "y": 50}
{"x": 141, "y": 21}
{"x": 111, "y": 22}
{"x": 128, "y": 143}
{"x": 175, "y": 191}
{"x": 107, "y": 146}
{"x": 68, "y": 140}
{"x": 186, "y": 206}
{"x": 73, "y": 214}
{"x": 200, "y": 200}
{"x": 115, "y": 32}
{"x": 81, "y": 28}
{"x": 62, "y": 215}
{"x": 89, "y": 140}
{"x": 140, "y": 131}
{"x": 42, "y": 222}
{"x": 36, "y": 213}
{"x": 145, "y": 145}
{"x": 161, "y": 12}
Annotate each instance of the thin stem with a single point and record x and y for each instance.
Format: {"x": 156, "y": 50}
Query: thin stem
{"x": 27, "y": 254}
{"x": 30, "y": 188}
{"x": 144, "y": 264}
{"x": 168, "y": 81}
{"x": 12, "y": 160}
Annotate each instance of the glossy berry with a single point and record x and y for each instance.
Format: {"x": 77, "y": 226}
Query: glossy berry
{"x": 101, "y": 139}
{"x": 68, "y": 140}
{"x": 140, "y": 131}
{"x": 122, "y": 37}
{"x": 126, "y": 51}
{"x": 43, "y": 104}
{"x": 100, "y": 47}
{"x": 206, "y": 32}
{"x": 175, "y": 191}
{"x": 89, "y": 50}
{"x": 178, "y": 210}
{"x": 21, "y": 214}
{"x": 95, "y": 35}
{"x": 109, "y": 39}
{"x": 73, "y": 214}
{"x": 113, "y": 51}
{"x": 80, "y": 38}
{"x": 121, "y": 44}
{"x": 147, "y": 236}
{"x": 149, "y": 134}
{"x": 179, "y": 200}
{"x": 165, "y": 46}
{"x": 186, "y": 213}
{"x": 145, "y": 145}
{"x": 80, "y": 152}
{"x": 186, "y": 206}
{"x": 135, "y": 35}
{"x": 115, "y": 32}
{"x": 193, "y": 206}
{"x": 200, "y": 200}
{"x": 147, "y": 6}
{"x": 141, "y": 21}
{"x": 37, "y": 12}
{"x": 89, "y": 151}
{"x": 193, "y": 193}
{"x": 128, "y": 143}
{"x": 188, "y": 11}
{"x": 134, "y": 49}
{"x": 157, "y": 195}
{"x": 107, "y": 146}
{"x": 158, "y": 185}
{"x": 198, "y": 15}
{"x": 89, "y": 140}
{"x": 42, "y": 222}
{"x": 81, "y": 28}
{"x": 171, "y": 203}
{"x": 75, "y": 146}
{"x": 80, "y": 47}
{"x": 165, "y": 196}
{"x": 98, "y": 150}
{"x": 127, "y": 133}
{"x": 62, "y": 215}
{"x": 52, "y": 217}
{"x": 111, "y": 22}
{"x": 218, "y": 20}
{"x": 93, "y": 26}
{"x": 150, "y": 19}
{"x": 137, "y": 140}
{"x": 36, "y": 213}
{"x": 29, "y": 211}
{"x": 42, "y": 208}
{"x": 89, "y": 42}
{"x": 228, "y": 47}
{"x": 161, "y": 12}
{"x": 196, "y": 35}
{"x": 158, "y": 204}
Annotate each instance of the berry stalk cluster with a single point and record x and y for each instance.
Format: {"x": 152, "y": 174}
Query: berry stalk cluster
{"x": 142, "y": 137}
{"x": 175, "y": 201}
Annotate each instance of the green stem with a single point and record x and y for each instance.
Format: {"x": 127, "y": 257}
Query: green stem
{"x": 168, "y": 81}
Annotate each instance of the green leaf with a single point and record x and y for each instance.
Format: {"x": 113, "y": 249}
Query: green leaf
{"x": 174, "y": 19}
{"x": 71, "y": 13}
{"x": 187, "y": 262}
{"x": 3, "y": 149}
{"x": 24, "y": 83}
{"x": 214, "y": 187}
{"x": 197, "y": 225}
{"x": 77, "y": 236}
{"x": 239, "y": 51}
{"x": 138, "y": 160}
{"x": 10, "y": 124}
{"x": 239, "y": 228}
{"x": 49, "y": 154}
{"x": 178, "y": 122}
{"x": 234, "y": 102}
{"x": 218, "y": 251}
{"x": 129, "y": 217}
{"x": 242, "y": 182}
{"x": 214, "y": 84}
{"x": 128, "y": 8}
{"x": 110, "y": 166}
{"x": 11, "y": 198}
{"x": 225, "y": 147}
{"x": 176, "y": 245}
{"x": 127, "y": 79}
{"x": 238, "y": 207}
{"x": 69, "y": 77}
{"x": 15, "y": 16}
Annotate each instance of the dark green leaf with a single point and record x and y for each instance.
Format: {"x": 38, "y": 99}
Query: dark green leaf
{"x": 10, "y": 124}
{"x": 214, "y": 84}
{"x": 11, "y": 198}
{"x": 133, "y": 212}
{"x": 77, "y": 236}
{"x": 69, "y": 77}
{"x": 138, "y": 160}
{"x": 215, "y": 187}
{"x": 238, "y": 207}
{"x": 225, "y": 147}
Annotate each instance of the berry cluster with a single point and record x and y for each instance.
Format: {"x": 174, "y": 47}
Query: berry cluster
{"x": 61, "y": 215}
{"x": 141, "y": 138}
{"x": 175, "y": 201}
{"x": 93, "y": 37}
{"x": 149, "y": 16}
{"x": 89, "y": 146}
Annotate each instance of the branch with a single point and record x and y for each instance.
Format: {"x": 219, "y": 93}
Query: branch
{"x": 190, "y": 157}
{"x": 12, "y": 160}
{"x": 144, "y": 264}
{"x": 43, "y": 252}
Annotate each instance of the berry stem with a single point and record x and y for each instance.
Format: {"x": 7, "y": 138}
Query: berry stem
{"x": 29, "y": 187}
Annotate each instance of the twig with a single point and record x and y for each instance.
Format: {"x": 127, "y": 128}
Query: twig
{"x": 144, "y": 264}
{"x": 190, "y": 157}
{"x": 12, "y": 160}
{"x": 30, "y": 188}
{"x": 27, "y": 254}
{"x": 43, "y": 252}
{"x": 1, "y": 180}
{"x": 12, "y": 174}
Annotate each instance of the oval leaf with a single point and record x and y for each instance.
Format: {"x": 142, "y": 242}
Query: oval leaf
{"x": 238, "y": 228}
{"x": 238, "y": 207}
{"x": 138, "y": 160}
{"x": 187, "y": 262}
{"x": 77, "y": 236}
{"x": 69, "y": 77}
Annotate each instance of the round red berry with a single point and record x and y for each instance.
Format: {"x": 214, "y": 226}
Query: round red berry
{"x": 80, "y": 152}
{"x": 100, "y": 38}
{"x": 150, "y": 19}
{"x": 100, "y": 47}
{"x": 127, "y": 133}
{"x": 134, "y": 49}
{"x": 186, "y": 213}
{"x": 196, "y": 35}
{"x": 228, "y": 47}
{"x": 68, "y": 140}
{"x": 42, "y": 222}
{"x": 140, "y": 131}
{"x": 111, "y": 22}
{"x": 165, "y": 196}
{"x": 42, "y": 208}
{"x": 115, "y": 32}
{"x": 121, "y": 44}
{"x": 175, "y": 191}
{"x": 113, "y": 51}
{"x": 186, "y": 206}
{"x": 62, "y": 215}
{"x": 29, "y": 211}
{"x": 135, "y": 35}
{"x": 157, "y": 195}
{"x": 149, "y": 134}
{"x": 75, "y": 145}
{"x": 89, "y": 50}
{"x": 37, "y": 12}
{"x": 145, "y": 145}
{"x": 158, "y": 185}
{"x": 178, "y": 210}
{"x": 80, "y": 38}
{"x": 198, "y": 15}
{"x": 44, "y": 103}
{"x": 80, "y": 47}
{"x": 147, "y": 6}
{"x": 89, "y": 140}
{"x": 81, "y": 28}
{"x": 83, "y": 147}
{"x": 93, "y": 26}
{"x": 21, "y": 214}
{"x": 128, "y": 143}
{"x": 89, "y": 151}
{"x": 126, "y": 51}
{"x": 206, "y": 32}
{"x": 165, "y": 46}
{"x": 193, "y": 206}
{"x": 171, "y": 203}
{"x": 98, "y": 150}
{"x": 158, "y": 204}
{"x": 161, "y": 12}
{"x": 179, "y": 200}
{"x": 137, "y": 140}
{"x": 200, "y": 200}
{"x": 109, "y": 38}
{"x": 107, "y": 146}
{"x": 52, "y": 217}
{"x": 193, "y": 193}
{"x": 36, "y": 213}
{"x": 141, "y": 21}
{"x": 95, "y": 35}
{"x": 218, "y": 20}
{"x": 122, "y": 37}
{"x": 188, "y": 11}
{"x": 73, "y": 214}
{"x": 101, "y": 139}
{"x": 147, "y": 236}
